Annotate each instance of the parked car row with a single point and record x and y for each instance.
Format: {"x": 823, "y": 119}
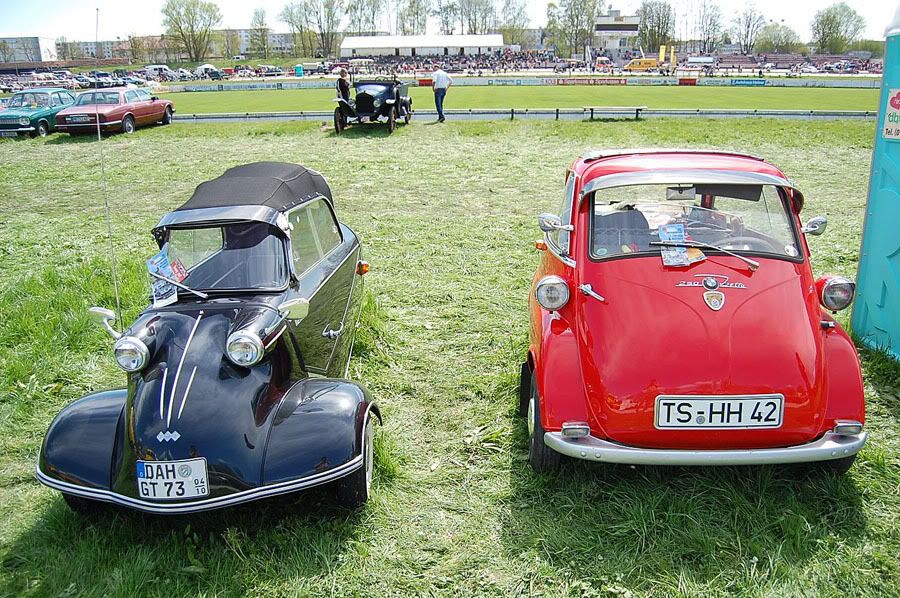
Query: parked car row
{"x": 41, "y": 111}
{"x": 675, "y": 320}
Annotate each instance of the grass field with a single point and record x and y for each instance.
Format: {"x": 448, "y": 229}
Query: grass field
{"x": 546, "y": 97}
{"x": 447, "y": 218}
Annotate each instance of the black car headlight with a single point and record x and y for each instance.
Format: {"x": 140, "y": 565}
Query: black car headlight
{"x": 131, "y": 353}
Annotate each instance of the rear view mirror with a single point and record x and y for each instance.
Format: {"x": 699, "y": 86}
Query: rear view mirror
{"x": 815, "y": 226}
{"x": 679, "y": 193}
{"x": 105, "y": 316}
{"x": 153, "y": 98}
{"x": 549, "y": 223}
{"x": 295, "y": 309}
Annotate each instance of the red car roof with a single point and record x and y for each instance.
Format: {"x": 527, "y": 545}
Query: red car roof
{"x": 597, "y": 164}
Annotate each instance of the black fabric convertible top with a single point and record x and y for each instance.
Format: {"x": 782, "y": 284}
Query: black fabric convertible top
{"x": 278, "y": 185}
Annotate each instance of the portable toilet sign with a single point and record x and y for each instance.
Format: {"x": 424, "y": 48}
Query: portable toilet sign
{"x": 876, "y": 312}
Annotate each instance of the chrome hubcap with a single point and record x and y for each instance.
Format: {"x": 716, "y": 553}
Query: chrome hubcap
{"x": 531, "y": 416}
{"x": 370, "y": 456}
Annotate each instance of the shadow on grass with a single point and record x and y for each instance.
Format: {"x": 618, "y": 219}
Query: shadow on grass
{"x": 883, "y": 372}
{"x": 355, "y": 131}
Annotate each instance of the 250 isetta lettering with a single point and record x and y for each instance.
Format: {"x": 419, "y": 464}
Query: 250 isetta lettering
{"x": 675, "y": 320}
{"x": 236, "y": 374}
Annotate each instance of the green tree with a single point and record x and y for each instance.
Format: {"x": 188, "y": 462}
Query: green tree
{"x": 190, "y": 23}
{"x": 513, "y": 21}
{"x": 836, "y": 27}
{"x": 477, "y": 16}
{"x": 778, "y": 39}
{"x": 414, "y": 16}
{"x": 657, "y": 24}
{"x": 259, "y": 34}
{"x": 325, "y": 18}
{"x": 447, "y": 14}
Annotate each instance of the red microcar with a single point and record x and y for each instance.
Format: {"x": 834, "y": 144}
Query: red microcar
{"x": 675, "y": 320}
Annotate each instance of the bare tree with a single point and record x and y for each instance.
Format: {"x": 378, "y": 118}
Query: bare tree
{"x": 836, "y": 27}
{"x": 513, "y": 21}
{"x": 137, "y": 47}
{"x": 191, "y": 22}
{"x": 6, "y": 51}
{"x": 297, "y": 16}
{"x": 362, "y": 15}
{"x": 326, "y": 17}
{"x": 259, "y": 34}
{"x": 231, "y": 43}
{"x": 657, "y": 24}
{"x": 746, "y": 27}
{"x": 477, "y": 16}
{"x": 414, "y": 16}
{"x": 447, "y": 14}
{"x": 709, "y": 26}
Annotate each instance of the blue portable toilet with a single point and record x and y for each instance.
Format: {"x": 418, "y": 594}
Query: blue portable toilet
{"x": 876, "y": 312}
{"x": 298, "y": 70}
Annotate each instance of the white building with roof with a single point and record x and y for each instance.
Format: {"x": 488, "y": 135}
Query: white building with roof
{"x": 27, "y": 49}
{"x": 420, "y": 45}
{"x": 615, "y": 33}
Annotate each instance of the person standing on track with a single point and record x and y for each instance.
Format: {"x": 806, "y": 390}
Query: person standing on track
{"x": 440, "y": 83}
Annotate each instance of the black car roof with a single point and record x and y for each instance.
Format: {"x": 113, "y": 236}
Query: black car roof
{"x": 278, "y": 185}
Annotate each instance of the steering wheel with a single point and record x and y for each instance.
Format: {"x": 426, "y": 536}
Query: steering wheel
{"x": 698, "y": 224}
{"x": 747, "y": 243}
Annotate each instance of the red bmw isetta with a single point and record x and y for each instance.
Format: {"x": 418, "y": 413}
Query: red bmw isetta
{"x": 675, "y": 320}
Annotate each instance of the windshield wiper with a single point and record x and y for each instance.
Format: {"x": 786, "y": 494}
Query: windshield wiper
{"x": 179, "y": 285}
{"x": 752, "y": 264}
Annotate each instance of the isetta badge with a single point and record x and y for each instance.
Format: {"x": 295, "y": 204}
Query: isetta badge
{"x": 715, "y": 300}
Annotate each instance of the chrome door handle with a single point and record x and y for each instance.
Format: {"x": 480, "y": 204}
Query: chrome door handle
{"x": 588, "y": 290}
{"x": 333, "y": 334}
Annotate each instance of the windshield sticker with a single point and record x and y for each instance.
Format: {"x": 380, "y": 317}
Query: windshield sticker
{"x": 165, "y": 293}
{"x": 678, "y": 256}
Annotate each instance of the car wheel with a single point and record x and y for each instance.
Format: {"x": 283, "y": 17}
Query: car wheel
{"x": 837, "y": 466}
{"x": 353, "y": 490}
{"x": 541, "y": 457}
{"x": 85, "y": 506}
{"x": 167, "y": 116}
{"x": 524, "y": 389}
{"x": 392, "y": 120}
{"x": 128, "y": 125}
{"x": 43, "y": 129}
{"x": 408, "y": 116}
{"x": 339, "y": 124}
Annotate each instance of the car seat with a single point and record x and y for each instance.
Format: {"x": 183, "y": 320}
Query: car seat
{"x": 622, "y": 231}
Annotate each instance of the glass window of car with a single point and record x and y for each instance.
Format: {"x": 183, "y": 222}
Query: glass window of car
{"x": 247, "y": 255}
{"x": 98, "y": 97}
{"x": 54, "y": 100}
{"x": 131, "y": 97}
{"x": 315, "y": 234}
{"x": 143, "y": 94}
{"x": 29, "y": 100}
{"x": 565, "y": 215}
{"x": 752, "y": 219}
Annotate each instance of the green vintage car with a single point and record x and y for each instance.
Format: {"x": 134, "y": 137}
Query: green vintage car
{"x": 33, "y": 111}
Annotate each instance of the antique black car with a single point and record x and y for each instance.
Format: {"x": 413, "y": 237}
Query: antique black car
{"x": 236, "y": 385}
{"x": 376, "y": 99}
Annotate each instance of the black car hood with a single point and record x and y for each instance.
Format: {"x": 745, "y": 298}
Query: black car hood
{"x": 191, "y": 401}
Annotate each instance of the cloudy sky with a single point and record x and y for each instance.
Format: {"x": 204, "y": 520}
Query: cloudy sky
{"x": 75, "y": 19}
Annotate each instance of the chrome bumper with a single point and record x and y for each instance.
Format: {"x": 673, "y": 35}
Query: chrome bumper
{"x": 18, "y": 130}
{"x": 104, "y": 123}
{"x": 206, "y": 504}
{"x": 829, "y": 446}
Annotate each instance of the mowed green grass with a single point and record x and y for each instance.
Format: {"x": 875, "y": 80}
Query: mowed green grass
{"x": 781, "y": 98}
{"x": 447, "y": 219}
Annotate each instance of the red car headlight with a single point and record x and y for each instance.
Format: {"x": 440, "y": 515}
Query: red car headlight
{"x": 835, "y": 292}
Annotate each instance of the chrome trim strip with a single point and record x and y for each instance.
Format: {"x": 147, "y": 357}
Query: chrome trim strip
{"x": 222, "y": 214}
{"x": 202, "y": 505}
{"x": 683, "y": 177}
{"x": 356, "y": 275}
{"x": 591, "y": 448}
{"x": 18, "y": 130}
{"x": 103, "y": 123}
{"x": 554, "y": 251}
{"x": 162, "y": 394}
{"x": 180, "y": 364}
{"x": 187, "y": 391}
{"x": 276, "y": 337}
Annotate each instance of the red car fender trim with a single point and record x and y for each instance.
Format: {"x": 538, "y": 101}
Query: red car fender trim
{"x": 558, "y": 374}
{"x": 843, "y": 378}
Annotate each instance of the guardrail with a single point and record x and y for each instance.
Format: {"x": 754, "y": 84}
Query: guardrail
{"x": 586, "y": 113}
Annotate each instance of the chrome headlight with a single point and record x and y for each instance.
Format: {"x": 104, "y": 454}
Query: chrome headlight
{"x": 552, "y": 292}
{"x": 837, "y": 293}
{"x": 131, "y": 353}
{"x": 24, "y": 121}
{"x": 377, "y": 103}
{"x": 244, "y": 348}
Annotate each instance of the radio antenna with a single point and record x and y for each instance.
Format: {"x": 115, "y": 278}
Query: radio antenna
{"x": 109, "y": 234}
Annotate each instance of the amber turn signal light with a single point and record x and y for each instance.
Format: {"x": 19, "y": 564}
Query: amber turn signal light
{"x": 540, "y": 246}
{"x": 362, "y": 267}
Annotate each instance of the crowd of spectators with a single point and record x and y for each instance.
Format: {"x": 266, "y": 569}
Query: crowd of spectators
{"x": 504, "y": 61}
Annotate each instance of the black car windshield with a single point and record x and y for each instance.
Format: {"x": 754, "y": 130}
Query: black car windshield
{"x": 29, "y": 100}
{"x": 98, "y": 98}
{"x": 373, "y": 89}
{"x": 751, "y": 219}
{"x": 231, "y": 257}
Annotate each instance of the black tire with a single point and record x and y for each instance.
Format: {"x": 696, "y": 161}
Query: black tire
{"x": 85, "y": 506}
{"x": 541, "y": 457}
{"x": 354, "y": 490}
{"x": 836, "y": 467}
{"x": 392, "y": 120}
{"x": 167, "y": 116}
{"x": 524, "y": 389}
{"x": 339, "y": 124}
{"x": 408, "y": 116}
{"x": 128, "y": 125}
{"x": 43, "y": 129}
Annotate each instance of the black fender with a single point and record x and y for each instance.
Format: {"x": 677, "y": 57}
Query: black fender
{"x": 318, "y": 427}
{"x": 80, "y": 445}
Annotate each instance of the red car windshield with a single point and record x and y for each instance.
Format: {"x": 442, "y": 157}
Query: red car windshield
{"x": 98, "y": 97}
{"x": 739, "y": 218}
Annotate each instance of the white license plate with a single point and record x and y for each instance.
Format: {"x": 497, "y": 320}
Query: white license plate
{"x": 719, "y": 413}
{"x": 172, "y": 480}
{"x": 8, "y": 134}
{"x": 80, "y": 119}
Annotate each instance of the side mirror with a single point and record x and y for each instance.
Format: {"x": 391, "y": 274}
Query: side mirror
{"x": 549, "y": 223}
{"x": 295, "y": 309}
{"x": 815, "y": 226}
{"x": 105, "y": 316}
{"x": 153, "y": 98}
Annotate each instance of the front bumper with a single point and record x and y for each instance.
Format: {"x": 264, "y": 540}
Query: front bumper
{"x": 17, "y": 130}
{"x": 206, "y": 504}
{"x": 830, "y": 446}
{"x": 103, "y": 124}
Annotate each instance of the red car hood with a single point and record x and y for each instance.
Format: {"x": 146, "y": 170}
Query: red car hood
{"x": 89, "y": 109}
{"x": 656, "y": 334}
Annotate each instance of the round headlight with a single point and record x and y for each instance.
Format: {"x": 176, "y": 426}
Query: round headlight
{"x": 837, "y": 293}
{"x": 131, "y": 353}
{"x": 377, "y": 103}
{"x": 552, "y": 292}
{"x": 244, "y": 348}
{"x": 24, "y": 121}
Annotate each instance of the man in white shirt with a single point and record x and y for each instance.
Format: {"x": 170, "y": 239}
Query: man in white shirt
{"x": 440, "y": 83}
